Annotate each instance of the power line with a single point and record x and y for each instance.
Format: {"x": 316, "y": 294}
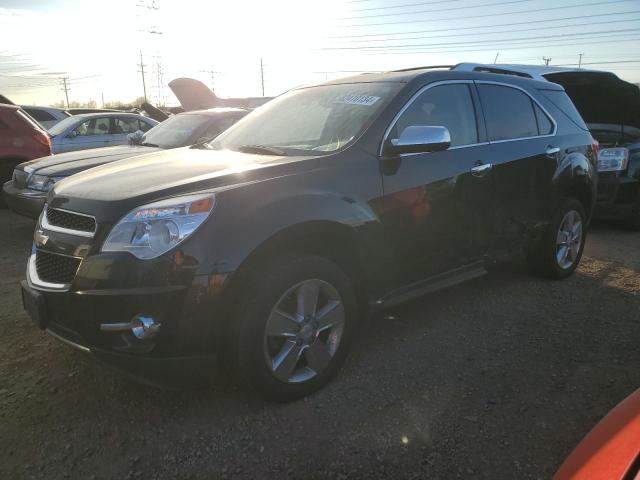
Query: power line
{"x": 496, "y": 14}
{"x": 418, "y": 12}
{"x": 586, "y": 24}
{"x": 405, "y": 5}
{"x": 476, "y": 42}
{"x": 489, "y": 47}
{"x": 482, "y": 26}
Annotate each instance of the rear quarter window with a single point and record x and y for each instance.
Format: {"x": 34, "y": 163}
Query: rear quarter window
{"x": 562, "y": 101}
{"x": 39, "y": 115}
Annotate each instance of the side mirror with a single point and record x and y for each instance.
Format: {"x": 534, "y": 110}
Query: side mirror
{"x": 136, "y": 137}
{"x": 72, "y": 134}
{"x": 419, "y": 139}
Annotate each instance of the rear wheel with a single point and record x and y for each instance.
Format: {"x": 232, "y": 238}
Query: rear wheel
{"x": 560, "y": 249}
{"x": 6, "y": 172}
{"x": 297, "y": 327}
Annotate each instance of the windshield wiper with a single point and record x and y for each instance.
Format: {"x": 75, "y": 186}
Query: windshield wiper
{"x": 260, "y": 149}
{"x": 147, "y": 144}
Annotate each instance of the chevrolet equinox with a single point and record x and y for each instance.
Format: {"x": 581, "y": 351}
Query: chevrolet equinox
{"x": 261, "y": 250}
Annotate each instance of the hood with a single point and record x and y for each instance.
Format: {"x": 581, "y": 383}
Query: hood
{"x": 193, "y": 94}
{"x": 609, "y": 106}
{"x": 69, "y": 163}
{"x": 111, "y": 190}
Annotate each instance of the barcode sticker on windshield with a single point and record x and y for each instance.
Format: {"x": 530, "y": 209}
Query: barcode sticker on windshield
{"x": 353, "y": 99}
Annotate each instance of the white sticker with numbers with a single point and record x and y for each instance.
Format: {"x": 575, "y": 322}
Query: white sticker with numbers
{"x": 353, "y": 99}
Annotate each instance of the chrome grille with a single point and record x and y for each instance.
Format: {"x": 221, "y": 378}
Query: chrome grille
{"x": 70, "y": 220}
{"x": 20, "y": 178}
{"x": 54, "y": 268}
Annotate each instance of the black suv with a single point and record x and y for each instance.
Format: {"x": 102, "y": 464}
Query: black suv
{"x": 262, "y": 249}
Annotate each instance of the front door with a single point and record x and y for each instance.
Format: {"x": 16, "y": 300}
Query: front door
{"x": 435, "y": 209}
{"x": 93, "y": 133}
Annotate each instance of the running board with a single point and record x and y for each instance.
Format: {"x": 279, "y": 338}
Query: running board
{"x": 432, "y": 284}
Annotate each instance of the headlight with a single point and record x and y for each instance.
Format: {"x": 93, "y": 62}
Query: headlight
{"x": 42, "y": 182}
{"x": 153, "y": 229}
{"x": 613, "y": 159}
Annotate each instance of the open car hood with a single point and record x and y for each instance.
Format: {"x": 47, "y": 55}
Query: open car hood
{"x": 193, "y": 94}
{"x": 608, "y": 105}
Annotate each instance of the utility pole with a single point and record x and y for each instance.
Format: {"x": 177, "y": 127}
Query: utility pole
{"x": 144, "y": 86}
{"x": 580, "y": 59}
{"x": 212, "y": 73}
{"x": 546, "y": 60}
{"x": 495, "y": 60}
{"x": 262, "y": 75}
{"x": 65, "y": 88}
{"x": 102, "y": 99}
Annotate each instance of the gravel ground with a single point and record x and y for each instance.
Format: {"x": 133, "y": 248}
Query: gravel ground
{"x": 496, "y": 378}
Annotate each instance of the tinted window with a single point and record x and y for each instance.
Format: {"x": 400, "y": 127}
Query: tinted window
{"x": 545, "y": 127}
{"x": 39, "y": 115}
{"x": 508, "y": 112}
{"x": 95, "y": 126}
{"x": 448, "y": 106}
{"x": 561, "y": 100}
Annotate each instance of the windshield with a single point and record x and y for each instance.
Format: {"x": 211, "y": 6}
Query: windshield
{"x": 178, "y": 131}
{"x": 62, "y": 126}
{"x": 319, "y": 119}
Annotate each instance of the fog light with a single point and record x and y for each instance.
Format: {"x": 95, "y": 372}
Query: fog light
{"x": 144, "y": 328}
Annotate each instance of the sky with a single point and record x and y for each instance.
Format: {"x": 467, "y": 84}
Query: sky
{"x": 98, "y": 45}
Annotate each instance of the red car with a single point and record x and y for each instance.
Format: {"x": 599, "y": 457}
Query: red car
{"x": 611, "y": 451}
{"x": 21, "y": 139}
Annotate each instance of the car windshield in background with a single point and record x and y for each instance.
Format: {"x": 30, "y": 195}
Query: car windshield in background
{"x": 177, "y": 131}
{"x": 315, "y": 120}
{"x": 63, "y": 125}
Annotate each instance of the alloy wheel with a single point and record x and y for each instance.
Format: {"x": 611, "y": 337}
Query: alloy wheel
{"x": 303, "y": 331}
{"x": 569, "y": 239}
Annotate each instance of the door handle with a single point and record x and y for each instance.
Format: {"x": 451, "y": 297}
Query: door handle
{"x": 481, "y": 170}
{"x": 552, "y": 151}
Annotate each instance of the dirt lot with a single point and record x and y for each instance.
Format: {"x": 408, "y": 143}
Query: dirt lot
{"x": 497, "y": 378}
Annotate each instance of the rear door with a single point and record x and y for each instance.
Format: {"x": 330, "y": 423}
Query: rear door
{"x": 434, "y": 208}
{"x": 524, "y": 157}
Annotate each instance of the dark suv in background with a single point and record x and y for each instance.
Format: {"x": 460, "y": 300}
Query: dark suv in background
{"x": 262, "y": 249}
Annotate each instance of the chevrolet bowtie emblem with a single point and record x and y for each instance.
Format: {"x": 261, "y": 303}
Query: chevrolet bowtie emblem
{"x": 40, "y": 239}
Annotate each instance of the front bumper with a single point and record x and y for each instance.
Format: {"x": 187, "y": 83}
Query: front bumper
{"x": 186, "y": 347}
{"x": 24, "y": 201}
{"x": 618, "y": 196}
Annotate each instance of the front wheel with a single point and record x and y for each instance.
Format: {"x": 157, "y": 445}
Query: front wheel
{"x": 560, "y": 249}
{"x": 297, "y": 327}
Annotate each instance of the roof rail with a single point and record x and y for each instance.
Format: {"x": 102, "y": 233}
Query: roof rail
{"x": 428, "y": 67}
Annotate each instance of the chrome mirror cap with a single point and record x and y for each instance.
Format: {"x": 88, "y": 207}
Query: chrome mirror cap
{"x": 420, "y": 139}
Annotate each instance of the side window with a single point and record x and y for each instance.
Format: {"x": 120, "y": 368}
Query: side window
{"x": 125, "y": 125}
{"x": 545, "y": 127}
{"x": 144, "y": 126}
{"x": 448, "y": 106}
{"x": 39, "y": 115}
{"x": 95, "y": 126}
{"x": 508, "y": 112}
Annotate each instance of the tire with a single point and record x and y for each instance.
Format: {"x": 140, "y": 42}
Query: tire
{"x": 546, "y": 259}
{"x": 633, "y": 222}
{"x": 267, "y": 363}
{"x": 6, "y": 172}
